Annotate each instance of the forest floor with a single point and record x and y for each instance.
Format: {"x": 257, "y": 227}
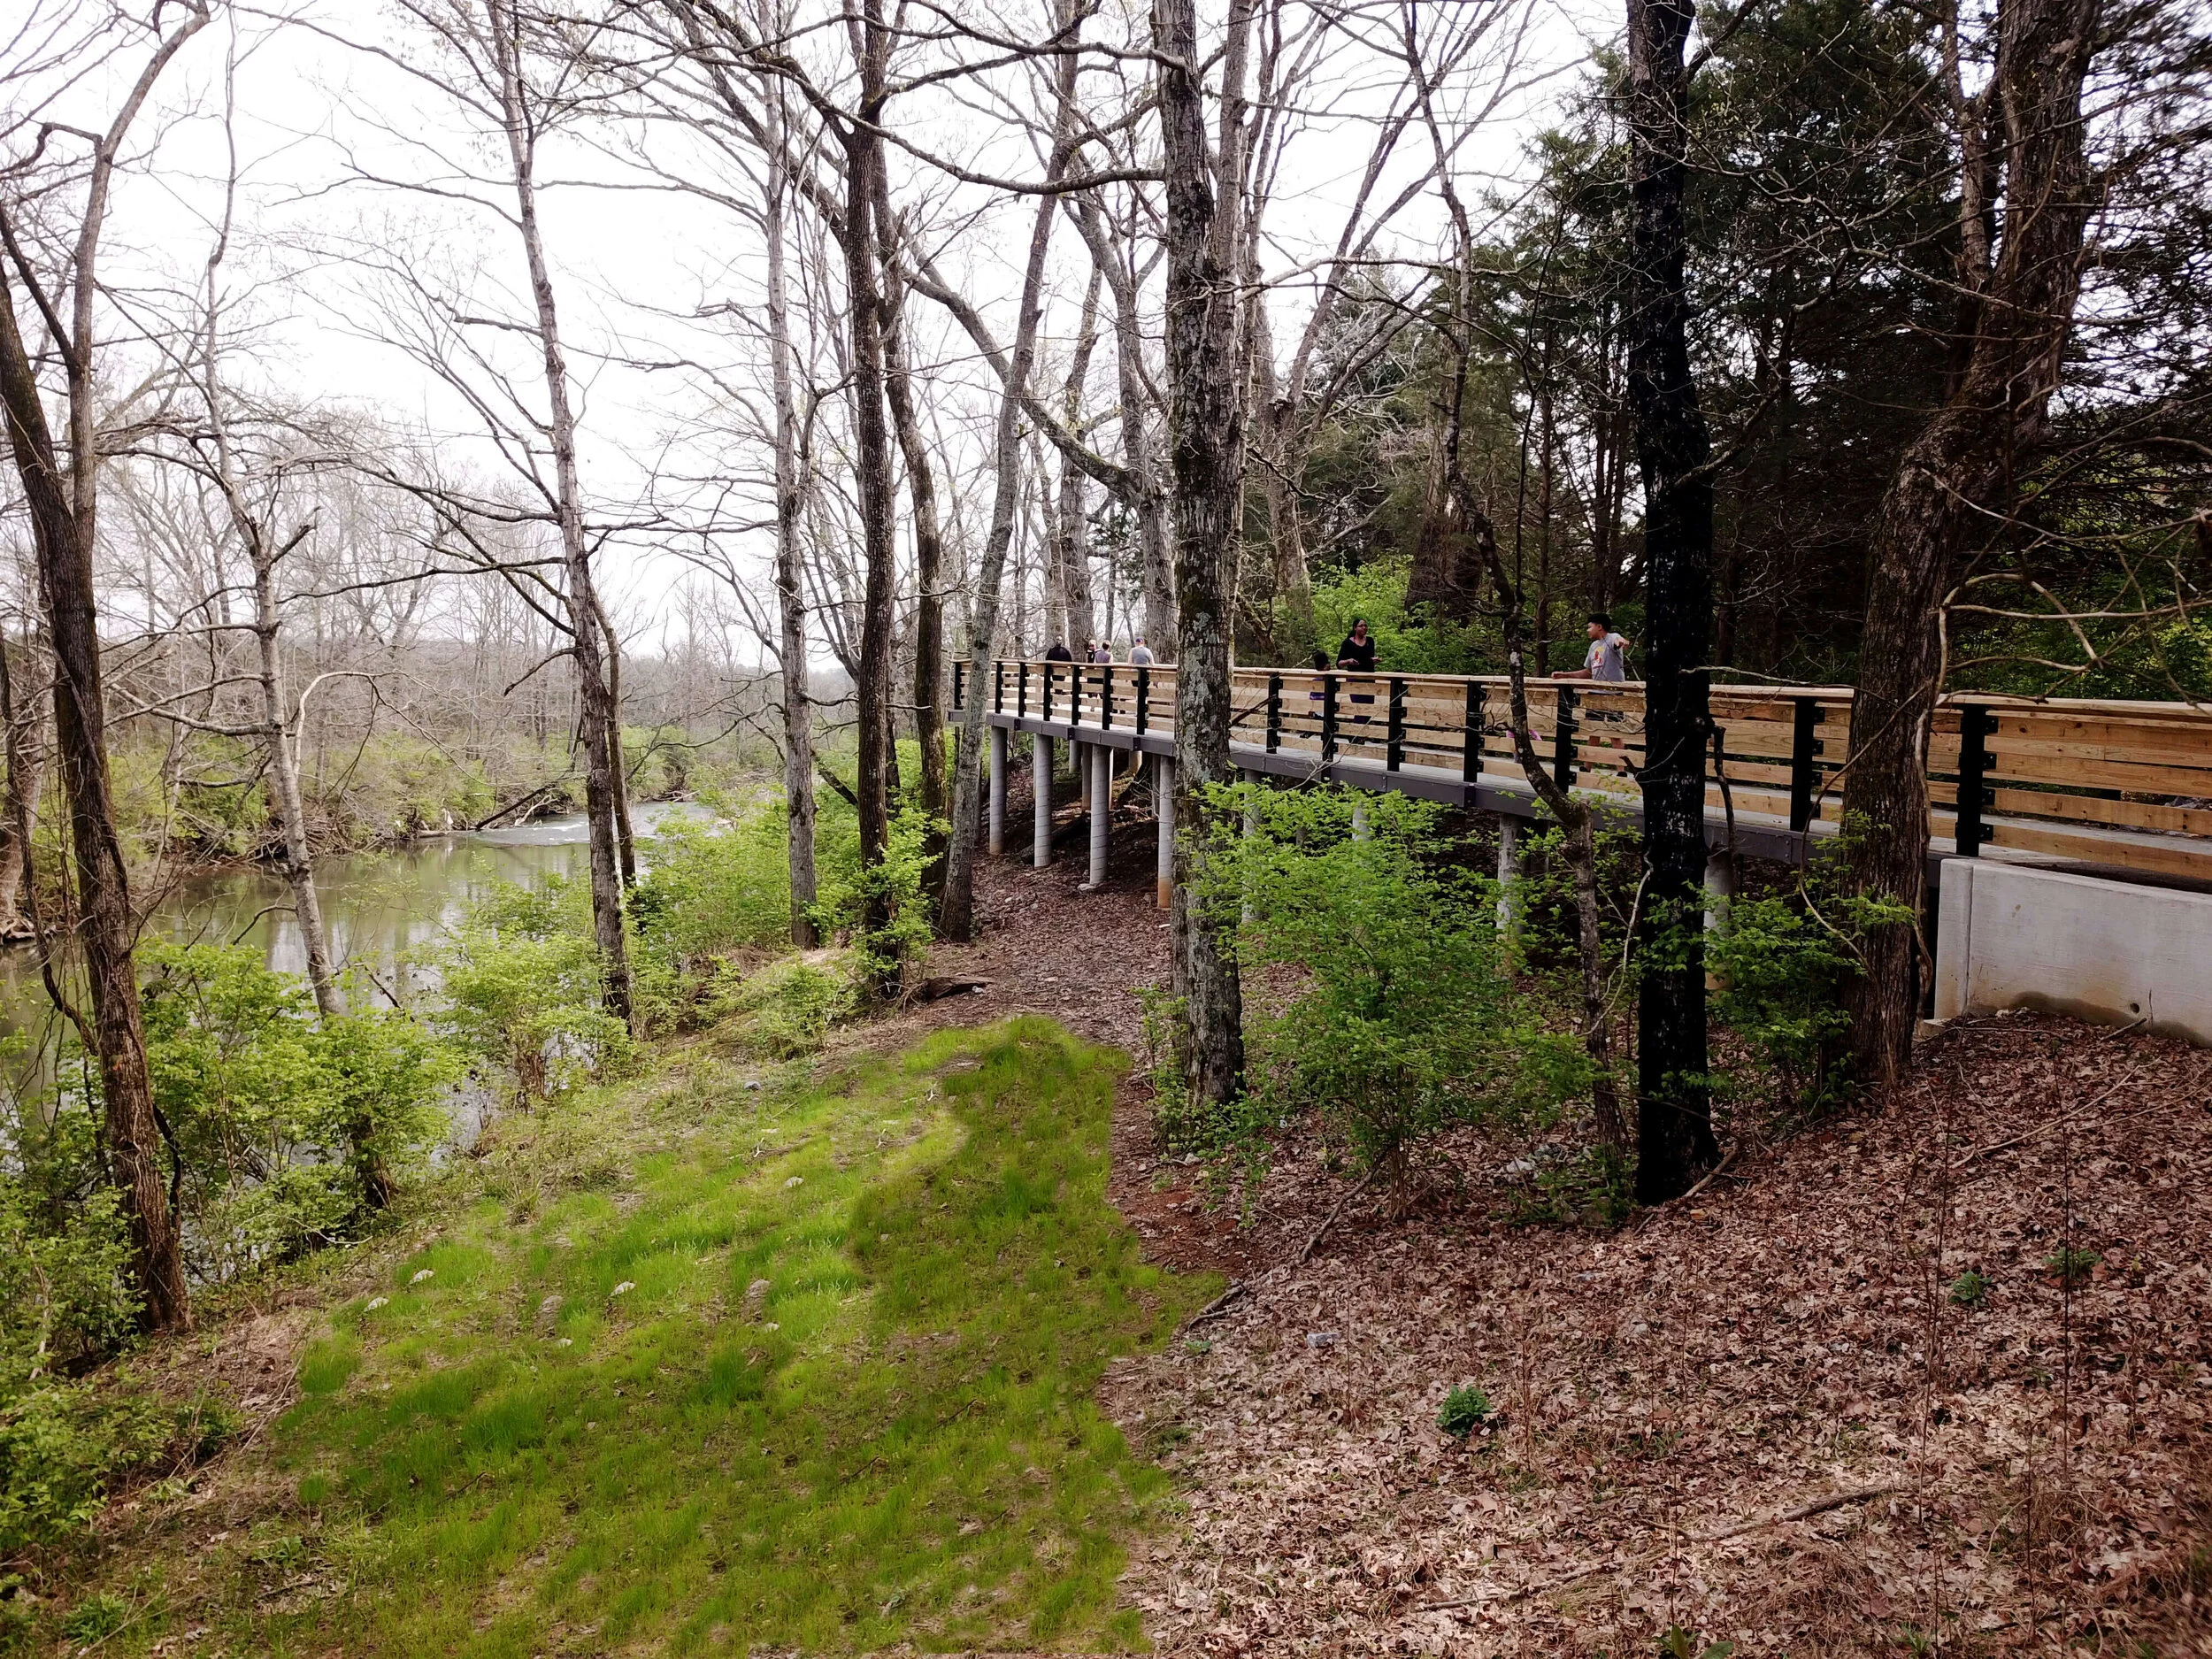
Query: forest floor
{"x": 1928, "y": 1375}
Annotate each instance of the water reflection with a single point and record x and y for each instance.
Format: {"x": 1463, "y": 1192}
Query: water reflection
{"x": 380, "y": 909}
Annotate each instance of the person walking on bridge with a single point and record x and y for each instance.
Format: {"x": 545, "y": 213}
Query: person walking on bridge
{"x": 1139, "y": 653}
{"x": 1607, "y": 658}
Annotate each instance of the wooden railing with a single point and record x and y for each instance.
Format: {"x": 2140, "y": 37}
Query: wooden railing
{"x": 2127, "y": 784}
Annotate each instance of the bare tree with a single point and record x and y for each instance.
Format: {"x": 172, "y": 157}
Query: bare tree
{"x": 1206, "y": 446}
{"x": 63, "y": 499}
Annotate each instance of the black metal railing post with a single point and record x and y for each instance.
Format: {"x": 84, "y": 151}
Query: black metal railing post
{"x": 1471, "y": 736}
{"x": 1106, "y": 699}
{"x": 1976, "y": 727}
{"x": 1328, "y": 717}
{"x": 1563, "y": 741}
{"x": 1274, "y": 712}
{"x": 998, "y": 688}
{"x": 1395, "y": 746}
{"x": 1051, "y": 674}
{"x": 1144, "y": 699}
{"x": 959, "y": 680}
{"x": 1021, "y": 695}
{"x": 1804, "y": 770}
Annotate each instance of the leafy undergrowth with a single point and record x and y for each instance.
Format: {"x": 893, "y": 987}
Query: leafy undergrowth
{"x": 819, "y": 1372}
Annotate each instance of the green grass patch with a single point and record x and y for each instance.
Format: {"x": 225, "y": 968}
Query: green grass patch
{"x": 893, "y": 1440}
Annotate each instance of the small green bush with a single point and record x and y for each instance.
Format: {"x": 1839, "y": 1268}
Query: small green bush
{"x": 523, "y": 981}
{"x": 1970, "y": 1289}
{"x": 1464, "y": 1410}
{"x": 95, "y": 1619}
{"x": 1408, "y": 1020}
{"x": 2071, "y": 1266}
{"x": 1783, "y": 964}
{"x": 787, "y": 1009}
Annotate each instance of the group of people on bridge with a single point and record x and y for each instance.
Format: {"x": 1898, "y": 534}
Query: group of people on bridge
{"x": 1102, "y": 651}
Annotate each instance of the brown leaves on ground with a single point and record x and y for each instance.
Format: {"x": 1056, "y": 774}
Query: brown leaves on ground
{"x": 2026, "y": 1468}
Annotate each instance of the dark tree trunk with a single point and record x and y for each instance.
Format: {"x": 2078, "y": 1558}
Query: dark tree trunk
{"x": 1206, "y": 445}
{"x": 62, "y": 514}
{"x": 1675, "y": 1143}
{"x": 2015, "y": 319}
{"x": 864, "y": 155}
{"x": 929, "y": 564}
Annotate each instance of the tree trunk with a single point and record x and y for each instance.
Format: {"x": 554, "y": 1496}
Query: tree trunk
{"x": 299, "y": 864}
{"x": 62, "y": 514}
{"x": 957, "y": 921}
{"x": 596, "y": 709}
{"x": 1206, "y": 445}
{"x": 2014, "y": 322}
{"x": 1675, "y": 1145}
{"x": 929, "y": 555}
{"x": 798, "y": 709}
{"x": 26, "y": 783}
{"x": 864, "y": 155}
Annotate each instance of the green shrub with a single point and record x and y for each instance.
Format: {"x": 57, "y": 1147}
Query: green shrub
{"x": 61, "y": 1445}
{"x": 1783, "y": 964}
{"x": 290, "y": 1130}
{"x": 1464, "y": 1410}
{"x": 711, "y": 888}
{"x": 2070, "y": 1266}
{"x": 894, "y": 890}
{"x": 1407, "y": 1021}
{"x": 523, "y": 979}
{"x": 1970, "y": 1289}
{"x": 787, "y": 1009}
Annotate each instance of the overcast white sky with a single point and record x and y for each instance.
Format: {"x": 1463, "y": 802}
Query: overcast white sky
{"x": 634, "y": 261}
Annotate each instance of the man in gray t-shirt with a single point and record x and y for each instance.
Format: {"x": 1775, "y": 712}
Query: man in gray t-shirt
{"x": 1606, "y": 659}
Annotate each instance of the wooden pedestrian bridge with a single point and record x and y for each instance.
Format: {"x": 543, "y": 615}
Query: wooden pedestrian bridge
{"x": 2104, "y": 807}
{"x": 2116, "y": 786}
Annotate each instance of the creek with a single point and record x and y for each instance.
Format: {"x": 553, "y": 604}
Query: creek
{"x": 382, "y": 910}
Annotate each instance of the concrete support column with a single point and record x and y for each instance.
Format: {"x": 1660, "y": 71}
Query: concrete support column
{"x": 1720, "y": 888}
{"x": 1101, "y": 777}
{"x": 1163, "y": 792}
{"x": 998, "y": 791}
{"x": 1359, "y": 816}
{"x": 1041, "y": 853}
{"x": 1080, "y": 763}
{"x": 1508, "y": 873}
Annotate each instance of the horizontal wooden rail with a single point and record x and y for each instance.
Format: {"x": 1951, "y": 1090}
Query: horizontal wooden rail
{"x": 2128, "y": 784}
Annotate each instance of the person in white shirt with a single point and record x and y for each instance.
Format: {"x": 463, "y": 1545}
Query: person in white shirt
{"x": 1606, "y": 659}
{"x": 1139, "y": 653}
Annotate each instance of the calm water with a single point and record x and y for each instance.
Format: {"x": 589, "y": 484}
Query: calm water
{"x": 379, "y": 907}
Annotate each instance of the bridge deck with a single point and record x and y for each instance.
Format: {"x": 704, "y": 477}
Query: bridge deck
{"x": 2125, "y": 786}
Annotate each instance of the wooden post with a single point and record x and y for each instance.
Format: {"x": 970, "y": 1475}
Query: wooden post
{"x": 1163, "y": 798}
{"x": 1040, "y": 851}
{"x": 998, "y": 791}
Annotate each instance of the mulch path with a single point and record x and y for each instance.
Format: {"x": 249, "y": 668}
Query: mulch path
{"x": 1759, "y": 1416}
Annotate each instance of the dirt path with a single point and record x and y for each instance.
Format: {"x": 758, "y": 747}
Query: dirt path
{"x": 1773, "y": 1416}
